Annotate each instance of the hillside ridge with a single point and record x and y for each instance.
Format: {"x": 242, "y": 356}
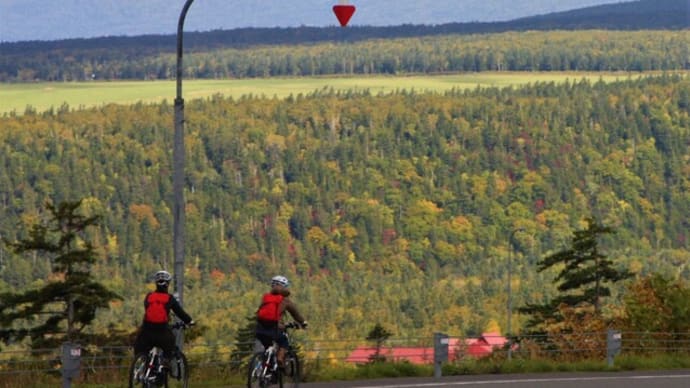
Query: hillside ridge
{"x": 636, "y": 15}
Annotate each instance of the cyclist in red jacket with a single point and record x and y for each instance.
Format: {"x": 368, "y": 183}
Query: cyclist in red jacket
{"x": 154, "y": 329}
{"x": 269, "y": 327}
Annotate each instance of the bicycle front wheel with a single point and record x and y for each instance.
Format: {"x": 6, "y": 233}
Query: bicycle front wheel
{"x": 137, "y": 371}
{"x": 293, "y": 371}
{"x": 178, "y": 375}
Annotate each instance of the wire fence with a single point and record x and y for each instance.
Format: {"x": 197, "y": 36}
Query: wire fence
{"x": 114, "y": 361}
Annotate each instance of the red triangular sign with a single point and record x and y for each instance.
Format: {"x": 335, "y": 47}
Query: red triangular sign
{"x": 343, "y": 12}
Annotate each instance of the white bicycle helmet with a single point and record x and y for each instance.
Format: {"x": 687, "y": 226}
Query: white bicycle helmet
{"x": 162, "y": 277}
{"x": 280, "y": 280}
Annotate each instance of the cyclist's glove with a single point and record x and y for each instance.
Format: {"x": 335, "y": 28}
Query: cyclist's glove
{"x": 304, "y": 324}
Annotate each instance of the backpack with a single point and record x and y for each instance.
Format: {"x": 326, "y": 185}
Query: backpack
{"x": 156, "y": 311}
{"x": 270, "y": 307}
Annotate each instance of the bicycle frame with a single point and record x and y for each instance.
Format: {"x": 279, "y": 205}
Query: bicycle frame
{"x": 264, "y": 365}
{"x": 148, "y": 369}
{"x": 153, "y": 365}
{"x": 270, "y": 362}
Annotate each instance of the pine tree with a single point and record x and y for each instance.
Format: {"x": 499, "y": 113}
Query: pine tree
{"x": 584, "y": 278}
{"x": 68, "y": 302}
{"x": 244, "y": 344}
{"x": 378, "y": 334}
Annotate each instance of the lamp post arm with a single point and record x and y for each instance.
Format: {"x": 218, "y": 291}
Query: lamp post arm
{"x": 180, "y": 30}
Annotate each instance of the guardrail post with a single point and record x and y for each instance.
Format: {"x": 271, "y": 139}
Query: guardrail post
{"x": 440, "y": 352}
{"x": 71, "y": 363}
{"x": 613, "y": 345}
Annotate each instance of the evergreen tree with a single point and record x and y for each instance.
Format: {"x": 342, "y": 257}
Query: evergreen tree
{"x": 68, "y": 302}
{"x": 244, "y": 344}
{"x": 378, "y": 335}
{"x": 583, "y": 279}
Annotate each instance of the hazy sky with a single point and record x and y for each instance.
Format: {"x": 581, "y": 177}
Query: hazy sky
{"x": 62, "y": 19}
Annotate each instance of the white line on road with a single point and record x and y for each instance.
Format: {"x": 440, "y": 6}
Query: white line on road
{"x": 516, "y": 381}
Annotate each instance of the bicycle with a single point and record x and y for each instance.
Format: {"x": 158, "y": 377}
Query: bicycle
{"x": 147, "y": 370}
{"x": 263, "y": 367}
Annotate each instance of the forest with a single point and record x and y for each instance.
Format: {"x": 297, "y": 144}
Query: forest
{"x": 394, "y": 209}
{"x": 127, "y": 59}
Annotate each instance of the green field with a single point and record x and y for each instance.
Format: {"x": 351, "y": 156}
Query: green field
{"x": 43, "y": 96}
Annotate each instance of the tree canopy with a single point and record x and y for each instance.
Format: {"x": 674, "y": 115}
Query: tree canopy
{"x": 67, "y": 303}
{"x": 584, "y": 275}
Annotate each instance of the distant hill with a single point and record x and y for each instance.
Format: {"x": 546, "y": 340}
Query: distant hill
{"x": 24, "y": 20}
{"x": 644, "y": 14}
{"x": 637, "y": 15}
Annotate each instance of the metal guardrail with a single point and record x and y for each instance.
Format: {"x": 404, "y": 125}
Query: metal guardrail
{"x": 573, "y": 346}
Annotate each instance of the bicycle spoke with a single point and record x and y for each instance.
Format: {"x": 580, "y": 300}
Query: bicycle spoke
{"x": 256, "y": 377}
{"x": 137, "y": 371}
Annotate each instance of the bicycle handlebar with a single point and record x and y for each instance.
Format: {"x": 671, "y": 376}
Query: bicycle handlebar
{"x": 181, "y": 325}
{"x": 293, "y": 325}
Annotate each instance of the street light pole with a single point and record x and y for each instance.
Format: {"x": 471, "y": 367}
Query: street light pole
{"x": 510, "y": 292}
{"x": 178, "y": 172}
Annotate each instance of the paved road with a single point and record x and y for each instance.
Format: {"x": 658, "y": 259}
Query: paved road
{"x": 637, "y": 379}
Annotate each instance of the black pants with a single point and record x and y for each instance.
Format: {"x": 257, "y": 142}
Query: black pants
{"x": 267, "y": 333}
{"x": 150, "y": 337}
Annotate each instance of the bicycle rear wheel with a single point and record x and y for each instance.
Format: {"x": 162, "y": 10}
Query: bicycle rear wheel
{"x": 178, "y": 375}
{"x": 137, "y": 371}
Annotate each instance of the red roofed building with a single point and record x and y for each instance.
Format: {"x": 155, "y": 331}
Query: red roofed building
{"x": 472, "y": 347}
{"x": 415, "y": 355}
{"x": 484, "y": 345}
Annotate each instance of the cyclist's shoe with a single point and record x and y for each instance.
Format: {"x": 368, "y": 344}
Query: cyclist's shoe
{"x": 289, "y": 369}
{"x": 272, "y": 378}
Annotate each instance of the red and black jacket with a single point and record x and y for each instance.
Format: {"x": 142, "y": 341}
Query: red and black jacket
{"x": 157, "y": 306}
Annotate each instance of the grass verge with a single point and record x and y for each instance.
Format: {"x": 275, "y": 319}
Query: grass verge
{"x": 219, "y": 376}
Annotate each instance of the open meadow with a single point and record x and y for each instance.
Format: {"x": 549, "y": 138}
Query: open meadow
{"x": 42, "y": 96}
